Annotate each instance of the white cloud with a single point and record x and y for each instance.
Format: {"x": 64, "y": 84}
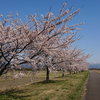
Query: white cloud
{"x": 94, "y": 62}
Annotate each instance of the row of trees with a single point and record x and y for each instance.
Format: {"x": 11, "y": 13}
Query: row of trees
{"x": 44, "y": 43}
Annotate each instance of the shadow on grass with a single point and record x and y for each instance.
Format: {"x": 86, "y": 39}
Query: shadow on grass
{"x": 67, "y": 76}
{"x": 21, "y": 94}
{"x": 47, "y": 82}
{"x": 13, "y": 94}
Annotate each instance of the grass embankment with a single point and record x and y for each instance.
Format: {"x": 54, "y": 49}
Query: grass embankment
{"x": 96, "y": 70}
{"x": 69, "y": 87}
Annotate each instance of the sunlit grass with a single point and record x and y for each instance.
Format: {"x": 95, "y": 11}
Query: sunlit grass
{"x": 8, "y": 83}
{"x": 96, "y": 70}
{"x": 69, "y": 87}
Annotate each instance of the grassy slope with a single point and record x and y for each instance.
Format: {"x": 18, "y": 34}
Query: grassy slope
{"x": 69, "y": 87}
{"x": 96, "y": 70}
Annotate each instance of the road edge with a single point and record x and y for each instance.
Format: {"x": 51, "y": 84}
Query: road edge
{"x": 85, "y": 89}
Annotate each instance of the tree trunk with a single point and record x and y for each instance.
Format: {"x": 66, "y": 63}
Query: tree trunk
{"x": 47, "y": 74}
{"x": 70, "y": 72}
{"x": 63, "y": 73}
{"x": 3, "y": 69}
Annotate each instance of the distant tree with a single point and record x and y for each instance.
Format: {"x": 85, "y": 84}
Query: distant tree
{"x": 72, "y": 60}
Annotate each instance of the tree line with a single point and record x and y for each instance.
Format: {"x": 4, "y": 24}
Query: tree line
{"x": 44, "y": 43}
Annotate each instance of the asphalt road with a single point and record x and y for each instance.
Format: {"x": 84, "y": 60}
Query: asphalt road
{"x": 93, "y": 86}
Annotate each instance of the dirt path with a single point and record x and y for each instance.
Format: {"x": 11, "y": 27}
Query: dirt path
{"x": 93, "y": 86}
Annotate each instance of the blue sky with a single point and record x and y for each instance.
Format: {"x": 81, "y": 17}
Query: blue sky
{"x": 90, "y": 14}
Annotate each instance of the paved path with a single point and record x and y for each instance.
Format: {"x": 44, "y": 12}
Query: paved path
{"x": 93, "y": 86}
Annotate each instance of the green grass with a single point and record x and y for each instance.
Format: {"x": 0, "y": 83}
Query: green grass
{"x": 79, "y": 90}
{"x": 70, "y": 87}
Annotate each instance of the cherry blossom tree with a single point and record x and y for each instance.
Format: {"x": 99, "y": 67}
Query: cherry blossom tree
{"x": 35, "y": 42}
{"x": 77, "y": 60}
{"x": 73, "y": 60}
